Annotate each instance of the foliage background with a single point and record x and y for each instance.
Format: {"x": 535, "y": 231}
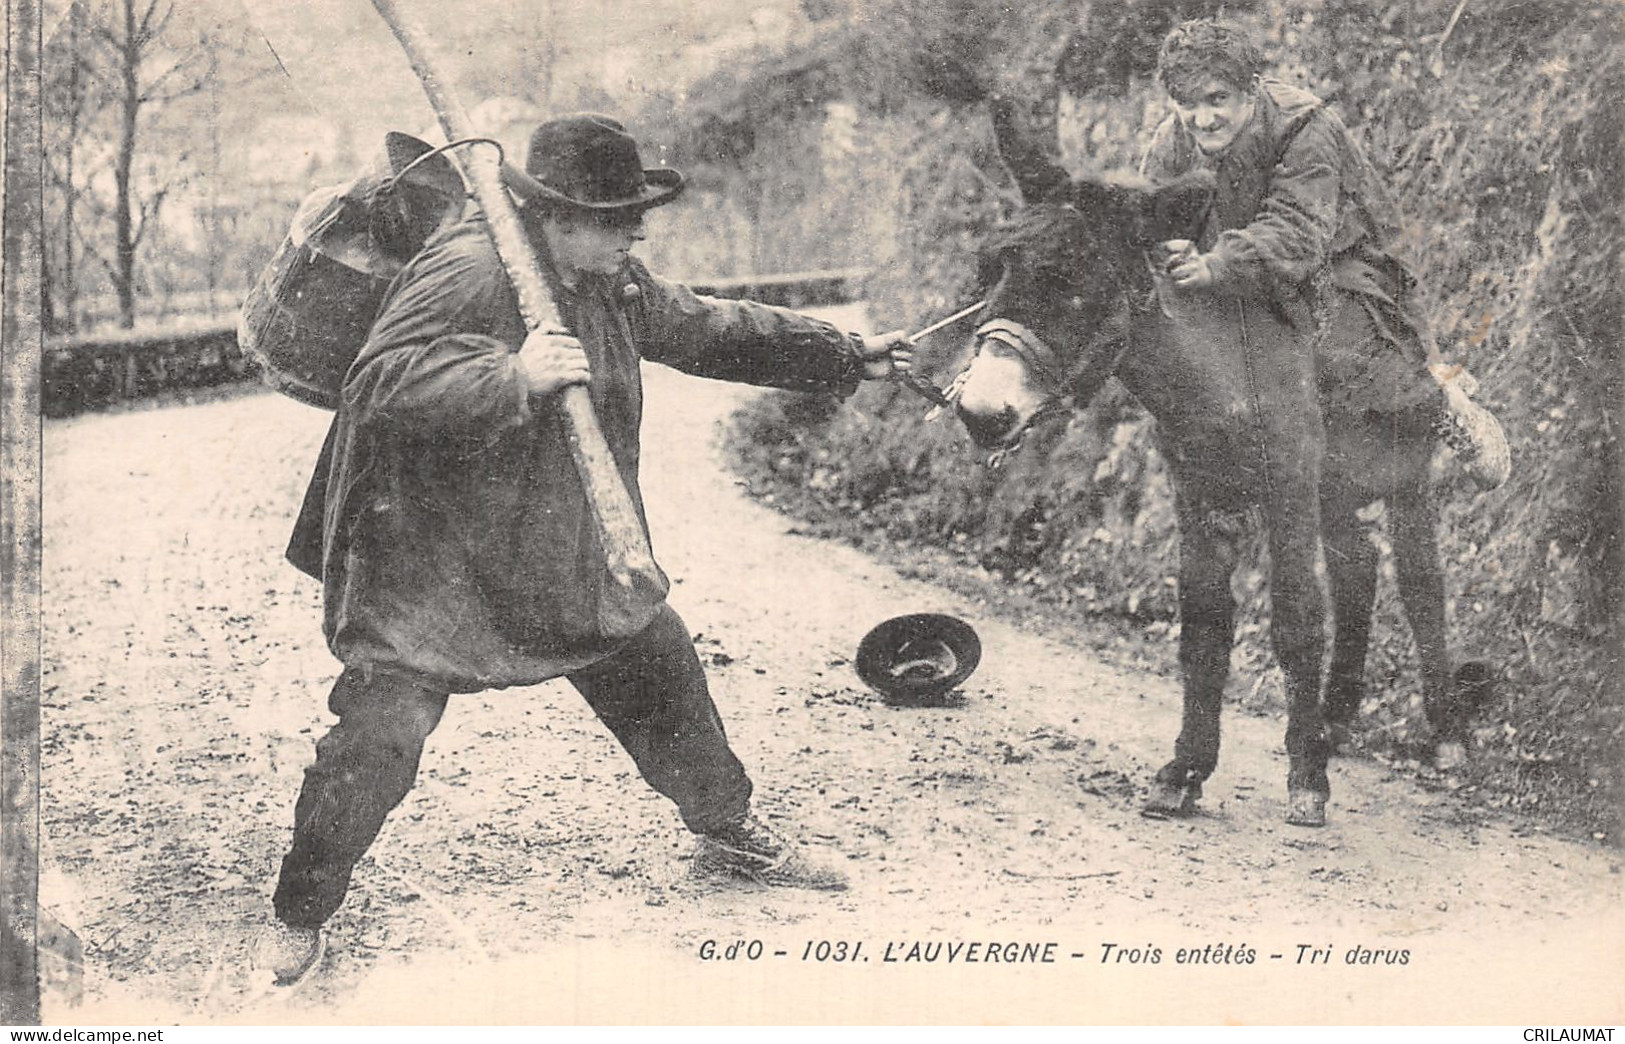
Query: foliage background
{"x": 1502, "y": 138}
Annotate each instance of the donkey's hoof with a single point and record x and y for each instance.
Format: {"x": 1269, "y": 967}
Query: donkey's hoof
{"x": 1168, "y": 801}
{"x": 1306, "y": 808}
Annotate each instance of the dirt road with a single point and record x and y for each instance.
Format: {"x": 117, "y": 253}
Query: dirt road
{"x": 531, "y": 877}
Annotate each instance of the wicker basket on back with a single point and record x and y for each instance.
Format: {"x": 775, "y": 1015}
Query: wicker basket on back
{"x": 307, "y": 316}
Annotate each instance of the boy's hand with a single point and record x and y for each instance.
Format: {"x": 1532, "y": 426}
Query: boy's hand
{"x": 886, "y": 355}
{"x": 552, "y": 360}
{"x": 1172, "y": 252}
{"x": 1188, "y": 269}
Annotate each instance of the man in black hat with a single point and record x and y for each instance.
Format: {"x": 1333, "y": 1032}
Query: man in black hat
{"x": 454, "y": 540}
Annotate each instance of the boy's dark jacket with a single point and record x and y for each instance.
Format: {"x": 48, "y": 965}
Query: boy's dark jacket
{"x": 1297, "y": 201}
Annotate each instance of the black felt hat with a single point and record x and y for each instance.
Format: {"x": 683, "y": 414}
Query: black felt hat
{"x": 591, "y": 162}
{"x": 918, "y": 656}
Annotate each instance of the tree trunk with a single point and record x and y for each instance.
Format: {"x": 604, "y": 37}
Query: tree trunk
{"x": 130, "y": 109}
{"x": 68, "y": 278}
{"x": 211, "y": 212}
{"x": 47, "y": 297}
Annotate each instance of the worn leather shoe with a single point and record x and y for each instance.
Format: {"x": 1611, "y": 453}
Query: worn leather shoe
{"x": 286, "y": 953}
{"x": 747, "y": 848}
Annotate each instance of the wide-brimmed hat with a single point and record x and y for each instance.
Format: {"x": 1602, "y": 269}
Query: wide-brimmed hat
{"x": 918, "y": 657}
{"x": 589, "y": 161}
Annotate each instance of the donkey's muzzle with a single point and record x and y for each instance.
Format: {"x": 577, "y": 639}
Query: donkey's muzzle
{"x": 990, "y": 430}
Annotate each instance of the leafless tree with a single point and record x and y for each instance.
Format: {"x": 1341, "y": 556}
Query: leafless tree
{"x": 122, "y": 146}
{"x": 64, "y": 105}
{"x": 140, "y": 73}
{"x": 108, "y": 65}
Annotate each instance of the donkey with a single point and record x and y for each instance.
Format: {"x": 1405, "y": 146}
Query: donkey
{"x": 1075, "y": 300}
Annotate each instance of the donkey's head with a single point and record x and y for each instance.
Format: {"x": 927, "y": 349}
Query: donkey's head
{"x": 1065, "y": 275}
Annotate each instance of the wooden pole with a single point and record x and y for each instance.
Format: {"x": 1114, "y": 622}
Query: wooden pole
{"x": 20, "y": 340}
{"x": 626, "y": 546}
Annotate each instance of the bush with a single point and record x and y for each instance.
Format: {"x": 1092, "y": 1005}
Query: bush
{"x": 1503, "y": 140}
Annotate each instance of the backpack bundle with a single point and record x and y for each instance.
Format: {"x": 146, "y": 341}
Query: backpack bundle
{"x": 307, "y": 316}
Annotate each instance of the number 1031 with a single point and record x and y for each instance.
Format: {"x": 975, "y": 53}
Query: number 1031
{"x": 833, "y": 950}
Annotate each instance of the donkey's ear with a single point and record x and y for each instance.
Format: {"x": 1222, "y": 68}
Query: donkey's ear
{"x": 1175, "y": 209}
{"x": 1029, "y": 149}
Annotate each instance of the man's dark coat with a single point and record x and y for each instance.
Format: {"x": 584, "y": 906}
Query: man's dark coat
{"x": 446, "y": 519}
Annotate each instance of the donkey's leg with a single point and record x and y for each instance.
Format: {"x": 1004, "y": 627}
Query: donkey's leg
{"x": 1451, "y": 697}
{"x": 1297, "y": 622}
{"x": 1351, "y": 570}
{"x": 1209, "y": 547}
{"x": 1414, "y": 524}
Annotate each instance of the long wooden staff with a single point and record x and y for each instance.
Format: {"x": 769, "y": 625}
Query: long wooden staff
{"x": 625, "y": 545}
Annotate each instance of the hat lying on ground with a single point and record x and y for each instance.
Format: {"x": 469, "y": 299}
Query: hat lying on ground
{"x": 590, "y": 162}
{"x": 918, "y": 656}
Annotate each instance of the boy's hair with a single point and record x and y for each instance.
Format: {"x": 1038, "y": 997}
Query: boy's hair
{"x": 1204, "y": 48}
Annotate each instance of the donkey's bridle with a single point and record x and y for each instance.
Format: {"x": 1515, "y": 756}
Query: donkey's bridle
{"x": 1031, "y": 349}
{"x": 1055, "y": 378}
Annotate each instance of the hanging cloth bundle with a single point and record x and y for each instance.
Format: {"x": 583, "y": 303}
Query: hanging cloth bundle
{"x": 307, "y": 316}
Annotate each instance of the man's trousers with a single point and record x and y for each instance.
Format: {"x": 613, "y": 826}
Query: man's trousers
{"x": 651, "y": 693}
